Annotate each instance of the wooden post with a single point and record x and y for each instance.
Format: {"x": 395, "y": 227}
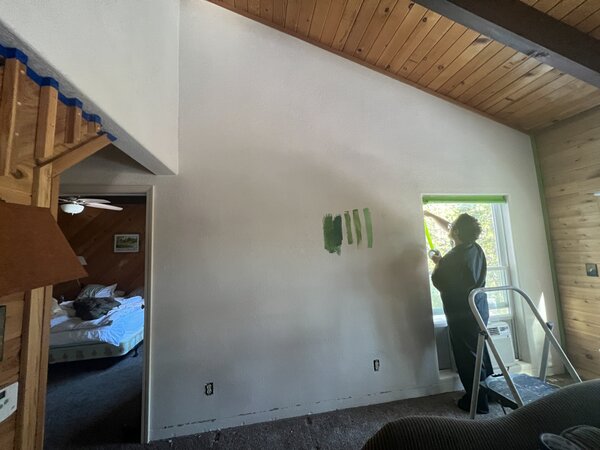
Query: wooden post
{"x": 8, "y": 113}
{"x": 93, "y": 128}
{"x": 54, "y": 197}
{"x": 36, "y": 315}
{"x": 73, "y": 125}
{"x": 27, "y": 407}
{"x": 46, "y": 125}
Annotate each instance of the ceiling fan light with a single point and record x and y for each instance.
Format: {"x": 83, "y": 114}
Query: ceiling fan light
{"x": 72, "y": 208}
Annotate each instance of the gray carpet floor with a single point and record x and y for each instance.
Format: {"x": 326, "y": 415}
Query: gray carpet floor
{"x": 94, "y": 402}
{"x": 97, "y": 405}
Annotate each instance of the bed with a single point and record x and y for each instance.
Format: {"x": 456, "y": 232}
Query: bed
{"x": 116, "y": 334}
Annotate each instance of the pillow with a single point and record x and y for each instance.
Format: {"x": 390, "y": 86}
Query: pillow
{"x": 137, "y": 292}
{"x": 68, "y": 308}
{"x": 56, "y": 309}
{"x": 97, "y": 290}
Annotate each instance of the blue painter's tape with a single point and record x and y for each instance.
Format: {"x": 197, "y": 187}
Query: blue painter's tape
{"x": 8, "y": 53}
{"x": 91, "y": 118}
{"x": 42, "y": 81}
{"x": 13, "y": 53}
{"x": 70, "y": 101}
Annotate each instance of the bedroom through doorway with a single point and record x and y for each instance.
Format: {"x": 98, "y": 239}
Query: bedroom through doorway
{"x": 96, "y": 366}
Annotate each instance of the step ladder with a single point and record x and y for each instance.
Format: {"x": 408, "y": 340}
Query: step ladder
{"x": 520, "y": 389}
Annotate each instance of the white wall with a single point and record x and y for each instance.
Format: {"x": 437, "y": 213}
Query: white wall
{"x": 120, "y": 58}
{"x": 274, "y": 134}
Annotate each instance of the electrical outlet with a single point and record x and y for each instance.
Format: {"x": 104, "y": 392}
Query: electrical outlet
{"x": 591, "y": 269}
{"x": 376, "y": 365}
{"x": 208, "y": 389}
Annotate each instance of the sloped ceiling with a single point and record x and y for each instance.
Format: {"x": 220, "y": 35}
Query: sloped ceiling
{"x": 408, "y": 42}
{"x": 583, "y": 15}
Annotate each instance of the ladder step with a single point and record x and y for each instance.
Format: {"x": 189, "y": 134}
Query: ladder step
{"x": 529, "y": 388}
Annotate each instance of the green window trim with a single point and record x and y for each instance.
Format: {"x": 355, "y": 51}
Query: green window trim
{"x": 464, "y": 199}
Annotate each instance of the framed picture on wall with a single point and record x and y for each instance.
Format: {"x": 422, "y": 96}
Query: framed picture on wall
{"x": 127, "y": 243}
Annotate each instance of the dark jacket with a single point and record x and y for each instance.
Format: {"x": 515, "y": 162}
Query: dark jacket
{"x": 461, "y": 270}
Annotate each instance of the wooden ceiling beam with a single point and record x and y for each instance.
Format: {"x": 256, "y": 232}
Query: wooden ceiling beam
{"x": 529, "y": 31}
{"x": 68, "y": 159}
{"x": 78, "y": 154}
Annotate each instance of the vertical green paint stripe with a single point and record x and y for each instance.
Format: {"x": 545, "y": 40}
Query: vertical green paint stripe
{"x": 368, "y": 227}
{"x": 538, "y": 171}
{"x": 332, "y": 233}
{"x": 337, "y": 234}
{"x": 357, "y": 226}
{"x": 328, "y": 233}
{"x": 428, "y": 236}
{"x": 348, "y": 222}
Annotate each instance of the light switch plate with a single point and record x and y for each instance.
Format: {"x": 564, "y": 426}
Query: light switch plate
{"x": 8, "y": 401}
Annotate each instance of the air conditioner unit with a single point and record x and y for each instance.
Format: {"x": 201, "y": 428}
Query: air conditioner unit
{"x": 501, "y": 335}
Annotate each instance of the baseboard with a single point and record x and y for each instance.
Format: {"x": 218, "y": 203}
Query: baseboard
{"x": 448, "y": 383}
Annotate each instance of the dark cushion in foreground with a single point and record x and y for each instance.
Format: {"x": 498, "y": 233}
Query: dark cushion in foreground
{"x": 578, "y": 404}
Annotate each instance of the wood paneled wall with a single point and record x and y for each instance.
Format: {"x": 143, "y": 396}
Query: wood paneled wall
{"x": 569, "y": 155}
{"x": 91, "y": 235}
{"x": 40, "y": 136}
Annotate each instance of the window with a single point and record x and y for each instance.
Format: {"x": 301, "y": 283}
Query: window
{"x": 491, "y": 213}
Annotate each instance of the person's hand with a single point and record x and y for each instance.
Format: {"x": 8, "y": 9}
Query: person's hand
{"x": 435, "y": 256}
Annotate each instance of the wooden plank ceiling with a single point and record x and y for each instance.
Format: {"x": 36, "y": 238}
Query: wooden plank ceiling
{"x": 581, "y": 14}
{"x": 413, "y": 44}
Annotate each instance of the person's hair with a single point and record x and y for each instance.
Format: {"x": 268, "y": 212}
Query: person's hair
{"x": 467, "y": 228}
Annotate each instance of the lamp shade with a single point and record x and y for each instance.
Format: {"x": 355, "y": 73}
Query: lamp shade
{"x": 72, "y": 208}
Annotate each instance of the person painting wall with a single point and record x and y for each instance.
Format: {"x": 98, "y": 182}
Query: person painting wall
{"x": 456, "y": 274}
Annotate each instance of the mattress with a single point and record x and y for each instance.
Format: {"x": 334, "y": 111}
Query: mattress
{"x": 120, "y": 327}
{"x": 94, "y": 351}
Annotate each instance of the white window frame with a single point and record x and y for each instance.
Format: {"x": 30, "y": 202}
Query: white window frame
{"x": 505, "y": 254}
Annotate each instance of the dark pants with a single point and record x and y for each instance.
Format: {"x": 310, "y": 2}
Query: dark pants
{"x": 464, "y": 333}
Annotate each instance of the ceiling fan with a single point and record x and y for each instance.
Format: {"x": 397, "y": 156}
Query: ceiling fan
{"x": 76, "y": 205}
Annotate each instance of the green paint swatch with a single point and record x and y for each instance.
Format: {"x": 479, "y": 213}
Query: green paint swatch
{"x": 332, "y": 233}
{"x": 428, "y": 235}
{"x": 348, "y": 222}
{"x": 368, "y": 227}
{"x": 357, "y": 226}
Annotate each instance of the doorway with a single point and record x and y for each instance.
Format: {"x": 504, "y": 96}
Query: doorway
{"x": 97, "y": 375}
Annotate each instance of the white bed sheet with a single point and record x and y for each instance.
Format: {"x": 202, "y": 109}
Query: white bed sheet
{"x": 122, "y": 321}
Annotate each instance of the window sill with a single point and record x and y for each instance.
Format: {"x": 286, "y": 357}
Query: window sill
{"x": 440, "y": 321}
